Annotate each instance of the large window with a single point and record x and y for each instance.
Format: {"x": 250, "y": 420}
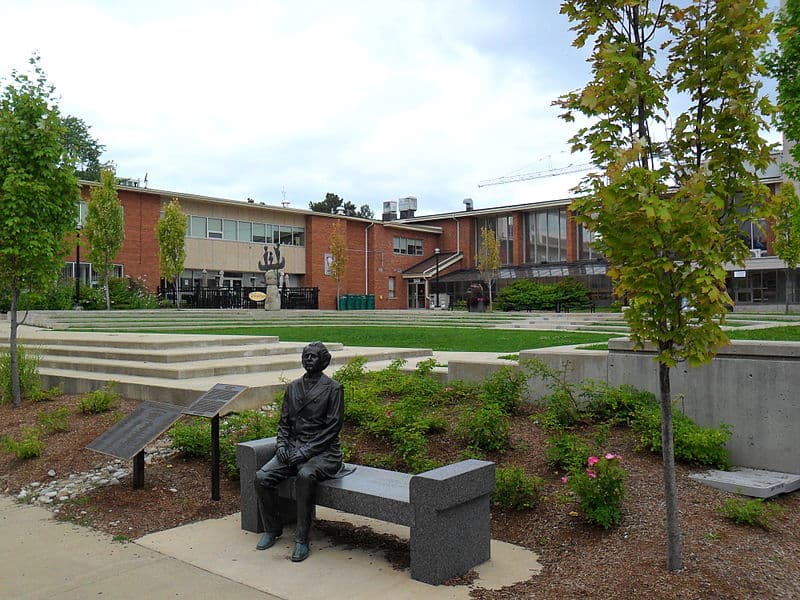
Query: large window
{"x": 407, "y": 246}
{"x": 546, "y": 236}
{"x": 754, "y": 234}
{"x": 245, "y": 231}
{"x": 503, "y": 228}
{"x": 392, "y": 287}
{"x": 585, "y": 239}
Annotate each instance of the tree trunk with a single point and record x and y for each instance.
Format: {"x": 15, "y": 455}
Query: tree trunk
{"x": 670, "y": 484}
{"x": 16, "y": 392}
{"x": 178, "y": 296}
{"x": 108, "y": 293}
{"x": 788, "y": 284}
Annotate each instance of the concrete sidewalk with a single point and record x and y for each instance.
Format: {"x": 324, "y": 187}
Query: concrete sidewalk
{"x": 43, "y": 558}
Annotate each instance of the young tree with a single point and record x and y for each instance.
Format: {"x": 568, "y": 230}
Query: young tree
{"x": 488, "y": 258}
{"x": 104, "y": 228}
{"x": 786, "y": 227}
{"x": 38, "y": 193}
{"x": 783, "y": 65}
{"x": 338, "y": 267}
{"x": 171, "y": 233}
{"x": 667, "y": 213}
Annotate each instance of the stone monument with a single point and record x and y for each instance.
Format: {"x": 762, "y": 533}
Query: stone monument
{"x": 271, "y": 264}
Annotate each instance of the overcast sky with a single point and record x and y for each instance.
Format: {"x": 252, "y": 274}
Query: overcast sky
{"x": 372, "y": 100}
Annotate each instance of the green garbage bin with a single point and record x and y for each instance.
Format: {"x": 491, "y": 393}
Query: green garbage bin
{"x": 351, "y": 302}
{"x": 343, "y": 302}
{"x": 359, "y": 302}
{"x": 370, "y": 301}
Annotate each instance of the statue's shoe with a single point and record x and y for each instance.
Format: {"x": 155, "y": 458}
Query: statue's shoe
{"x": 268, "y": 540}
{"x": 301, "y": 552}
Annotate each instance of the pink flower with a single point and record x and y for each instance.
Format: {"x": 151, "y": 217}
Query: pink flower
{"x": 611, "y": 456}
{"x": 593, "y": 460}
{"x": 591, "y": 474}
{"x": 564, "y": 479}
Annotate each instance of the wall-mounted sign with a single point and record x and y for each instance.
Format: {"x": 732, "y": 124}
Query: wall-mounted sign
{"x": 328, "y": 264}
{"x": 740, "y": 274}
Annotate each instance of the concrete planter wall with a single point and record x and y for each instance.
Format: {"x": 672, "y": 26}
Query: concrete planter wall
{"x": 752, "y": 386}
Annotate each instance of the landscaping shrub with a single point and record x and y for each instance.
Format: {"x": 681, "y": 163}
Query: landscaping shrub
{"x": 129, "y": 293}
{"x": 505, "y": 388}
{"x": 526, "y": 294}
{"x": 600, "y": 488}
{"x": 29, "y": 381}
{"x": 30, "y": 446}
{"x": 516, "y": 490}
{"x": 56, "y": 420}
{"x": 99, "y": 401}
{"x": 193, "y": 436}
{"x": 693, "y": 443}
{"x": 749, "y": 512}
{"x": 617, "y": 404}
{"x": 567, "y": 451}
{"x": 486, "y": 427}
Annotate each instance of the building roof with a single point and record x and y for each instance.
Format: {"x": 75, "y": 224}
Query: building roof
{"x": 427, "y": 268}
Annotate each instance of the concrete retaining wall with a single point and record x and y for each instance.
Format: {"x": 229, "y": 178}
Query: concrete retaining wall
{"x": 752, "y": 386}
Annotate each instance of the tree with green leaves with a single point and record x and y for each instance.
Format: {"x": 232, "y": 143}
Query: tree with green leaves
{"x": 104, "y": 228}
{"x": 333, "y": 205}
{"x": 38, "y": 193}
{"x": 338, "y": 266}
{"x": 171, "y": 234}
{"x": 667, "y": 212}
{"x": 786, "y": 229}
{"x": 84, "y": 150}
{"x": 783, "y": 64}
{"x": 488, "y": 258}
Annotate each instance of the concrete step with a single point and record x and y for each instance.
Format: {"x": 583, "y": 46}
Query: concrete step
{"x": 210, "y": 367}
{"x": 155, "y": 341}
{"x": 177, "y": 354}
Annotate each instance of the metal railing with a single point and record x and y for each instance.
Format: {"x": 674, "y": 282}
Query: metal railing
{"x": 229, "y": 297}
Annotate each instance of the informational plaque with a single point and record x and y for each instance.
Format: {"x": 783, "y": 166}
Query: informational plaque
{"x": 214, "y": 400}
{"x": 129, "y": 436}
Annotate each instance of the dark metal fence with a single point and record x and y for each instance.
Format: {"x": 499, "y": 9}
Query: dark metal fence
{"x": 216, "y": 297}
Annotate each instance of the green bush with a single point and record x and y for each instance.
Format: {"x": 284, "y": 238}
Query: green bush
{"x": 567, "y": 451}
{"x": 486, "y": 427}
{"x": 28, "y": 367}
{"x": 526, "y": 294}
{"x": 693, "y": 443}
{"x": 561, "y": 411}
{"x": 616, "y": 404}
{"x": 192, "y": 436}
{"x": 128, "y": 293}
{"x": 30, "y": 446}
{"x": 59, "y": 296}
{"x": 749, "y": 512}
{"x": 600, "y": 488}
{"x": 99, "y": 401}
{"x": 505, "y": 388}
{"x": 55, "y": 420}
{"x": 516, "y": 490}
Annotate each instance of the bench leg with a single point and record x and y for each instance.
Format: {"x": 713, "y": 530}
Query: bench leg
{"x": 446, "y": 543}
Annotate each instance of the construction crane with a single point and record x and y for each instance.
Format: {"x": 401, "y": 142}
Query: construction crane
{"x": 574, "y": 168}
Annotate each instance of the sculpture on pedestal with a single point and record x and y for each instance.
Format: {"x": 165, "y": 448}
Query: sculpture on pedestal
{"x": 271, "y": 264}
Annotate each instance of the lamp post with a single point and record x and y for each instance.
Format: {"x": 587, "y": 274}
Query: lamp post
{"x": 436, "y": 254}
{"x": 78, "y": 267}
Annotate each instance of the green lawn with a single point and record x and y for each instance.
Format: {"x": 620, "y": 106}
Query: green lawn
{"x": 787, "y": 333}
{"x": 435, "y": 338}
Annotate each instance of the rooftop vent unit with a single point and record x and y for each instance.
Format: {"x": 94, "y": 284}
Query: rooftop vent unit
{"x": 468, "y": 204}
{"x": 251, "y": 201}
{"x": 408, "y": 206}
{"x": 390, "y": 210}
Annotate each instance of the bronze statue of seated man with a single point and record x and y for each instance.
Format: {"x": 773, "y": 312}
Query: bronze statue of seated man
{"x": 307, "y": 447}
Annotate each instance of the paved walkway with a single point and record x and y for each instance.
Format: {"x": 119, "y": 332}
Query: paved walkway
{"x": 41, "y": 558}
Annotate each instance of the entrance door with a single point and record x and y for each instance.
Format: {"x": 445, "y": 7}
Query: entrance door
{"x": 416, "y": 293}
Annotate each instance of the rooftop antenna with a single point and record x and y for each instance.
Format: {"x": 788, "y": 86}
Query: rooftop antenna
{"x": 284, "y": 203}
{"x": 145, "y": 179}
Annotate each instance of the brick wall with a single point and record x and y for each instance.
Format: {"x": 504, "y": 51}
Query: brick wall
{"x": 139, "y": 252}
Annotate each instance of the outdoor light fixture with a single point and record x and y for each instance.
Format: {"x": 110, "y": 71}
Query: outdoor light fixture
{"x": 436, "y": 254}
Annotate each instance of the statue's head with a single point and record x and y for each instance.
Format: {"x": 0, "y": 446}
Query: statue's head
{"x": 316, "y": 357}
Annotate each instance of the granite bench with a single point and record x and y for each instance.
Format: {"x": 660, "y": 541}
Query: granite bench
{"x": 446, "y": 509}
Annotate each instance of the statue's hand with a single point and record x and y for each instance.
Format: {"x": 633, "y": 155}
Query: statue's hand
{"x": 284, "y": 455}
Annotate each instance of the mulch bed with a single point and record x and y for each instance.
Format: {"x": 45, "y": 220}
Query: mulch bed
{"x": 722, "y": 560}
